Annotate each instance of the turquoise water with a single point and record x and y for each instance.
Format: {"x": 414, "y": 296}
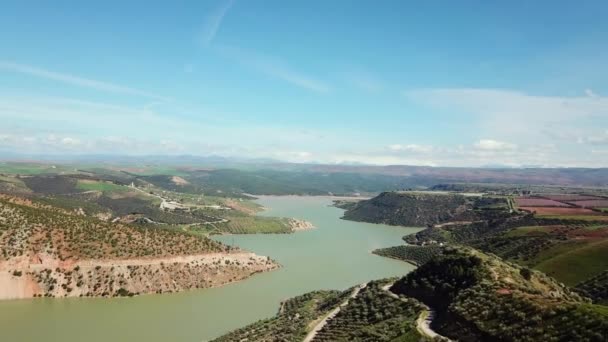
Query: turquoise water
{"x": 336, "y": 255}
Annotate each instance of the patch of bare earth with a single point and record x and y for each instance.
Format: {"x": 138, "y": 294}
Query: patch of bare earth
{"x": 179, "y": 180}
{"x": 45, "y": 276}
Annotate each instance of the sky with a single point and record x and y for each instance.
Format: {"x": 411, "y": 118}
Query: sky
{"x": 467, "y": 83}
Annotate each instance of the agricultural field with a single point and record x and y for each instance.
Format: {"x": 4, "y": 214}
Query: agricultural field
{"x": 591, "y": 203}
{"x": 570, "y": 253}
{"x": 374, "y": 315}
{"x": 538, "y": 202}
{"x": 568, "y": 243}
{"x": 565, "y": 206}
{"x": 570, "y": 197}
{"x": 292, "y": 321}
{"x": 569, "y": 212}
{"x": 253, "y": 225}
{"x": 107, "y": 194}
{"x": 578, "y": 264}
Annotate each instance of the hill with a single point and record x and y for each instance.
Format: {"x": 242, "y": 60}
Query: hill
{"x": 477, "y": 296}
{"x": 461, "y": 294}
{"x": 365, "y": 313}
{"x": 49, "y": 251}
{"x": 571, "y": 246}
{"x": 416, "y": 209}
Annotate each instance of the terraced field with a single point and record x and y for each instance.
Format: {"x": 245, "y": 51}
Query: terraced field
{"x": 292, "y": 321}
{"x": 374, "y": 315}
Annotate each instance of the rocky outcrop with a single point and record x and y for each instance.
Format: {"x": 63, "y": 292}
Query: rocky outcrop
{"x": 299, "y": 225}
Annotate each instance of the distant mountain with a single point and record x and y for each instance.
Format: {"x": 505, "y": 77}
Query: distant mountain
{"x": 414, "y": 176}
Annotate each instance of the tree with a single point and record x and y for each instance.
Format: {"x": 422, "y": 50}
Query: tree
{"x": 526, "y": 273}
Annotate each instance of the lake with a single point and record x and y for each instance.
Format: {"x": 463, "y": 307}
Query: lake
{"x": 335, "y": 255}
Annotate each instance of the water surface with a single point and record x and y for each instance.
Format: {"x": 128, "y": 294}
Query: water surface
{"x": 336, "y": 255}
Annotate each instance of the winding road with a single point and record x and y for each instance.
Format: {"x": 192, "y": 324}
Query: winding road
{"x": 424, "y": 321}
{"x": 315, "y": 330}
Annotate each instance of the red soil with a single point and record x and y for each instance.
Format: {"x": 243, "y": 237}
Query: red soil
{"x": 538, "y": 202}
{"x": 561, "y": 211}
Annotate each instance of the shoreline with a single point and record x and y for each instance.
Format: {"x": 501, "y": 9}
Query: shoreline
{"x": 22, "y": 279}
{"x": 330, "y": 197}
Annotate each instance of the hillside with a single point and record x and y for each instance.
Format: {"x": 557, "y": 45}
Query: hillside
{"x": 416, "y": 209}
{"x": 551, "y": 232}
{"x": 461, "y": 294}
{"x": 365, "y": 313}
{"x": 49, "y": 251}
{"x": 477, "y": 297}
{"x": 159, "y": 201}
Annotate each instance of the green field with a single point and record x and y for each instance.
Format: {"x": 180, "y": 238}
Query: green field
{"x": 254, "y": 224}
{"x": 577, "y": 264}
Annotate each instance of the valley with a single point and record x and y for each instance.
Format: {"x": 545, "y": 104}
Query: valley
{"x": 533, "y": 253}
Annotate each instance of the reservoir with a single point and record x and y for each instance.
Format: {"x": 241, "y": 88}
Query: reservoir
{"x": 335, "y": 255}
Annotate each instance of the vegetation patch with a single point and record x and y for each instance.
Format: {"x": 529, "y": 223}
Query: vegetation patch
{"x": 576, "y": 265}
{"x": 292, "y": 321}
{"x": 91, "y": 185}
{"x": 416, "y": 255}
{"x": 253, "y": 225}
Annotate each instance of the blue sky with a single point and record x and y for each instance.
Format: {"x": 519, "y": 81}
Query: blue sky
{"x": 471, "y": 83}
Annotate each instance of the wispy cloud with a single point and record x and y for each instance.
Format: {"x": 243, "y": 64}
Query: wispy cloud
{"x": 415, "y": 148}
{"x": 213, "y": 21}
{"x": 274, "y": 67}
{"x": 75, "y": 80}
{"x": 494, "y": 145}
{"x": 516, "y": 116}
{"x": 364, "y": 80}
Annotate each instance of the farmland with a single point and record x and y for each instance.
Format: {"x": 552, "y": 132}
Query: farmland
{"x": 538, "y": 202}
{"x": 570, "y": 197}
{"x": 108, "y": 194}
{"x": 591, "y": 203}
{"x": 558, "y": 211}
{"x": 567, "y": 242}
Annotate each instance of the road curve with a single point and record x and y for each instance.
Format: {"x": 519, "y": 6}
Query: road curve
{"x": 424, "y": 321}
{"x": 311, "y": 335}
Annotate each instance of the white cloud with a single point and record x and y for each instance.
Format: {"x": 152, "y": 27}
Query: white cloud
{"x": 411, "y": 148}
{"x": 516, "y": 116}
{"x": 494, "y": 145}
{"x": 75, "y": 80}
{"x": 70, "y": 141}
{"x": 590, "y": 93}
{"x": 213, "y": 22}
{"x": 274, "y": 67}
{"x": 595, "y": 139}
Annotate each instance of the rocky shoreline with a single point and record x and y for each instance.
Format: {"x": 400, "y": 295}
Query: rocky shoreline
{"x": 299, "y": 225}
{"x": 46, "y": 277}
